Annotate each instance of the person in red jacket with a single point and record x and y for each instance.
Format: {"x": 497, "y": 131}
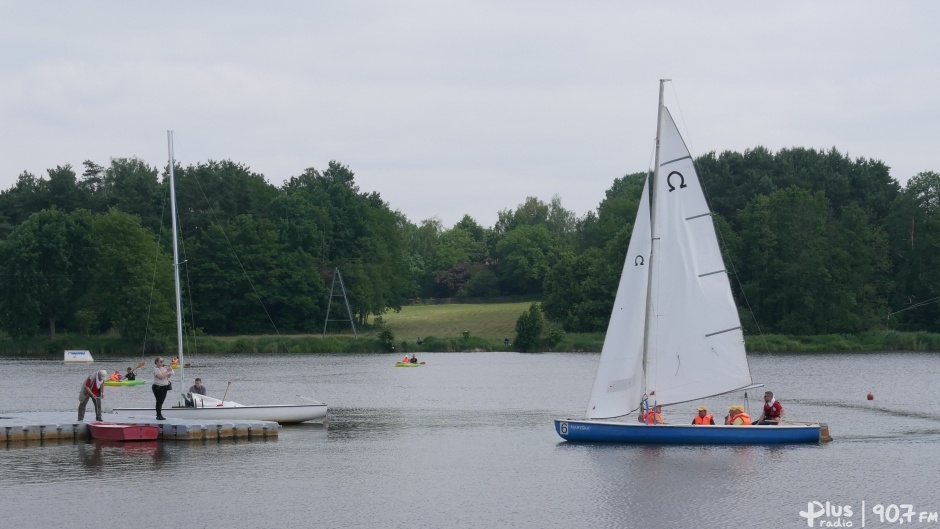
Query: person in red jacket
{"x": 703, "y": 417}
{"x": 93, "y": 388}
{"x": 773, "y": 410}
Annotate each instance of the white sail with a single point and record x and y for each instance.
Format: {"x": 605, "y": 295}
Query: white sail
{"x": 696, "y": 346}
{"x": 618, "y": 386}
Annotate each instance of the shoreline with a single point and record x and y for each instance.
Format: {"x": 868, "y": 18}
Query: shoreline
{"x": 369, "y": 343}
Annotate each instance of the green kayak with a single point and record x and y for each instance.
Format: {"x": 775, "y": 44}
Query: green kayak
{"x": 124, "y": 382}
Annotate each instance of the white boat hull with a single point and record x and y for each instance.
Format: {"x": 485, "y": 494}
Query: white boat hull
{"x": 280, "y": 413}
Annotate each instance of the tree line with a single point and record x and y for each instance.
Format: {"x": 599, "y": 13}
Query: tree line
{"x": 817, "y": 242}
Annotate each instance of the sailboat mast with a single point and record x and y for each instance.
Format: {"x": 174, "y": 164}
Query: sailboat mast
{"x": 176, "y": 258}
{"x": 654, "y": 236}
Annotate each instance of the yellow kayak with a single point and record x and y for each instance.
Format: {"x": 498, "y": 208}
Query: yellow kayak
{"x": 408, "y": 364}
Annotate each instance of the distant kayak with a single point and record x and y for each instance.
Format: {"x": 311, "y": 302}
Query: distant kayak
{"x": 124, "y": 382}
{"x": 408, "y": 364}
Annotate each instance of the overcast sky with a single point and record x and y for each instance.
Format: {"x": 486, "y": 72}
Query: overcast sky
{"x": 453, "y": 108}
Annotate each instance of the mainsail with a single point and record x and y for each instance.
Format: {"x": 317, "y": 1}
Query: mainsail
{"x": 696, "y": 346}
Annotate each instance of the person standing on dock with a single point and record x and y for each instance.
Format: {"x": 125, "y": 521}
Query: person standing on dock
{"x": 93, "y": 388}
{"x": 161, "y": 385}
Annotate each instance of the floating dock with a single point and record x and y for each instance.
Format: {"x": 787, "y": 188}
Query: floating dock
{"x": 28, "y": 427}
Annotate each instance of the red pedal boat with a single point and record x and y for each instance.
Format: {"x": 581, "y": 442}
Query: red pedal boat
{"x": 123, "y": 432}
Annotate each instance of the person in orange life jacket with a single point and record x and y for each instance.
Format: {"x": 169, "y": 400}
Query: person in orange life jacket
{"x": 703, "y": 417}
{"x": 116, "y": 376}
{"x": 773, "y": 410}
{"x": 654, "y": 415}
{"x": 92, "y": 388}
{"x": 736, "y": 416}
{"x": 405, "y": 360}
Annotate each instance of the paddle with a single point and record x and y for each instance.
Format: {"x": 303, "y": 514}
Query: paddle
{"x": 224, "y": 394}
{"x": 138, "y": 366}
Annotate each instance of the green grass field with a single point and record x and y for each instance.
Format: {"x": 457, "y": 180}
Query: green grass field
{"x": 441, "y": 328}
{"x": 494, "y": 321}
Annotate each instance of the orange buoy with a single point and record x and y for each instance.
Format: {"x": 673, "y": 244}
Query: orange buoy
{"x": 870, "y": 396}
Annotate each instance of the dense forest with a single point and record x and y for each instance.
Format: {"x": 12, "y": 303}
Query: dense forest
{"x": 817, "y": 243}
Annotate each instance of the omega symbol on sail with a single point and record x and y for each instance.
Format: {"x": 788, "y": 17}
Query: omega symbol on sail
{"x": 681, "y": 181}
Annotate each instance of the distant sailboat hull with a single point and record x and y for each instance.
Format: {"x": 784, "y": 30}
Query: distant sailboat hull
{"x": 280, "y": 413}
{"x": 589, "y": 431}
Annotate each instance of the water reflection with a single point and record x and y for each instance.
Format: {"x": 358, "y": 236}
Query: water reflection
{"x": 115, "y": 456}
{"x": 470, "y": 443}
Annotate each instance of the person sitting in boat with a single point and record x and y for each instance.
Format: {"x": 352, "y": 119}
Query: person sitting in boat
{"x": 413, "y": 359}
{"x": 116, "y": 376}
{"x": 773, "y": 410}
{"x": 703, "y": 418}
{"x": 130, "y": 375}
{"x": 175, "y": 363}
{"x": 405, "y": 360}
{"x": 736, "y": 416}
{"x": 197, "y": 387}
{"x": 653, "y": 415}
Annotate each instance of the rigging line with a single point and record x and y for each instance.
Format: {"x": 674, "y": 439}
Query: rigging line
{"x": 189, "y": 294}
{"x": 685, "y": 137}
{"x": 153, "y": 279}
{"x": 914, "y": 306}
{"x": 238, "y": 259}
{"x": 688, "y": 141}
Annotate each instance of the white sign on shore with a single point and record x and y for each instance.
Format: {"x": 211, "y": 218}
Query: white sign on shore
{"x": 78, "y": 356}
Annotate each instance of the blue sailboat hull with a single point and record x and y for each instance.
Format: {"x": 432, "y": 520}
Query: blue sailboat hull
{"x": 592, "y": 431}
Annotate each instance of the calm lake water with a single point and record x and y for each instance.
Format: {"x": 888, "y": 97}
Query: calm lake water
{"x": 468, "y": 441}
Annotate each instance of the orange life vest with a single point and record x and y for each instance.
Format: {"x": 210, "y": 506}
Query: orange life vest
{"x": 743, "y": 416}
{"x": 651, "y": 417}
{"x": 406, "y": 359}
{"x": 115, "y": 376}
{"x": 707, "y": 419}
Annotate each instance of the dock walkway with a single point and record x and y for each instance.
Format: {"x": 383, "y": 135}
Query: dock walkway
{"x": 47, "y": 426}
